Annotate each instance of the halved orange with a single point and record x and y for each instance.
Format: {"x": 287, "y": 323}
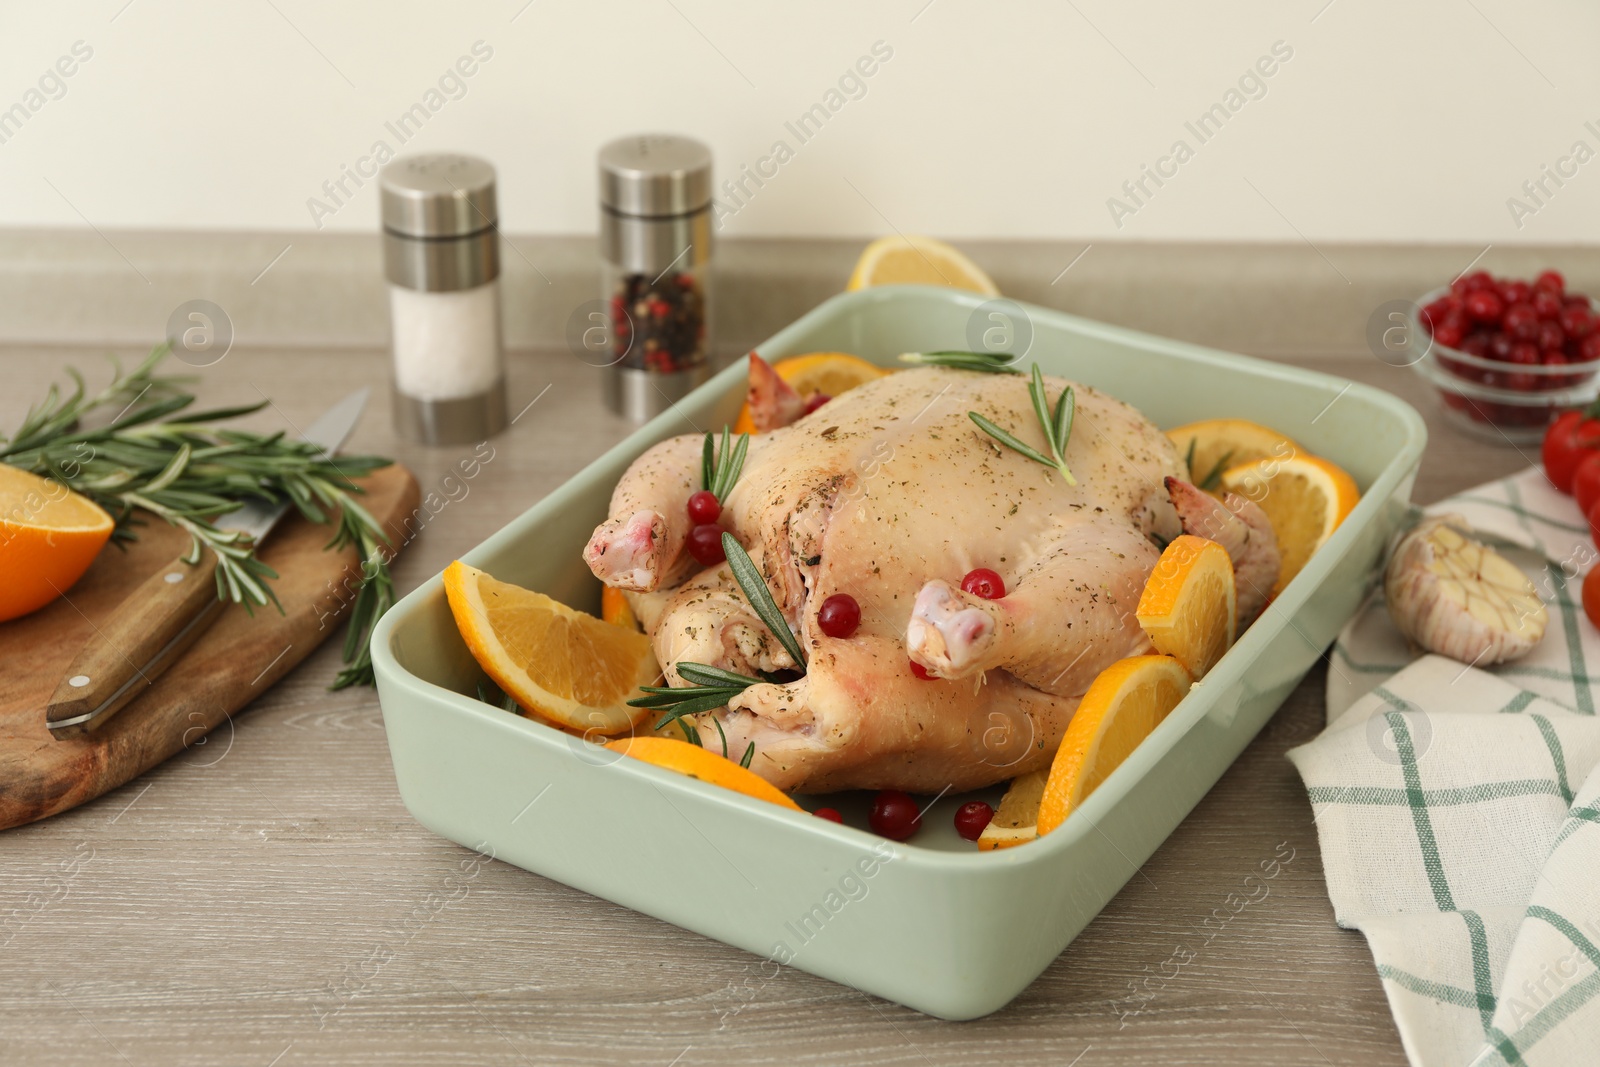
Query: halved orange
{"x": 1212, "y": 446}
{"x": 829, "y": 373}
{"x": 559, "y": 663}
{"x": 1015, "y": 822}
{"x": 1124, "y": 704}
{"x": 696, "y": 762}
{"x": 903, "y": 260}
{"x": 1188, "y": 607}
{"x": 1305, "y": 498}
{"x": 48, "y": 537}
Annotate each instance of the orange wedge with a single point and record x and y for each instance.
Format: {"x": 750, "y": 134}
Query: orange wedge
{"x": 614, "y": 608}
{"x": 48, "y": 537}
{"x": 696, "y": 762}
{"x": 558, "y": 663}
{"x": 1187, "y": 609}
{"x": 829, "y": 373}
{"x": 1124, "y": 704}
{"x": 898, "y": 260}
{"x": 1015, "y": 822}
{"x": 1218, "y": 444}
{"x": 1305, "y": 498}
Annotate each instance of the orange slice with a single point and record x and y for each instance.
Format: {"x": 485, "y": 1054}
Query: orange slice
{"x": 1305, "y": 498}
{"x": 1187, "y": 609}
{"x": 1219, "y": 444}
{"x": 559, "y": 663}
{"x": 1124, "y": 704}
{"x": 830, "y": 373}
{"x": 48, "y": 537}
{"x": 696, "y": 762}
{"x": 898, "y": 260}
{"x": 1015, "y": 822}
{"x": 615, "y": 609}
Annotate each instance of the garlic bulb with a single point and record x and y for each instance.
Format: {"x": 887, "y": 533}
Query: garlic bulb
{"x": 1457, "y": 597}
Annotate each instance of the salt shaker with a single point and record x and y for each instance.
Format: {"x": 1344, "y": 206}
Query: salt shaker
{"x": 441, "y": 255}
{"x": 655, "y": 239}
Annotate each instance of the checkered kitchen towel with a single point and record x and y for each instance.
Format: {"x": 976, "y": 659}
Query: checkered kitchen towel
{"x": 1457, "y": 810}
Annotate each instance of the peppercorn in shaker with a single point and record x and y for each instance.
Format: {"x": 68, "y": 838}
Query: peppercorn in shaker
{"x": 655, "y": 237}
{"x": 441, "y": 254}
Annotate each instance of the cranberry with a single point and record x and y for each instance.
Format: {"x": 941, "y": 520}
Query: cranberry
{"x": 1514, "y": 291}
{"x": 1547, "y": 304}
{"x": 704, "y": 507}
{"x": 1478, "y": 281}
{"x": 1521, "y": 321}
{"x": 1525, "y": 353}
{"x": 705, "y": 544}
{"x": 1485, "y": 305}
{"x": 920, "y": 671}
{"x": 1448, "y": 335}
{"x": 831, "y": 814}
{"x": 1551, "y": 335}
{"x": 839, "y": 615}
{"x": 1577, "y": 320}
{"x": 1477, "y": 344}
{"x": 985, "y": 583}
{"x": 1589, "y": 351}
{"x": 1500, "y": 346}
{"x": 894, "y": 815}
{"x": 971, "y": 819}
{"x": 1551, "y": 281}
{"x": 816, "y": 401}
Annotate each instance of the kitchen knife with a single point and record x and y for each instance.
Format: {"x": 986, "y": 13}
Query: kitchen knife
{"x": 169, "y": 611}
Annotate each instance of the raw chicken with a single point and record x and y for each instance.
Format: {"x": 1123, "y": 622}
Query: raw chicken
{"x": 891, "y": 494}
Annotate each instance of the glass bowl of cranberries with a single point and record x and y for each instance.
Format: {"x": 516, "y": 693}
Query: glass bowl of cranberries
{"x": 1507, "y": 355}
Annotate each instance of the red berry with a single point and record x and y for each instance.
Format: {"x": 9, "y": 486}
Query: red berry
{"x": 1500, "y": 346}
{"x": 1551, "y": 281}
{"x": 1521, "y": 321}
{"x": 1477, "y": 344}
{"x": 1525, "y": 353}
{"x": 971, "y": 818}
{"x": 705, "y": 544}
{"x": 1478, "y": 281}
{"x": 1513, "y": 291}
{"x": 894, "y": 815}
{"x": 831, "y": 814}
{"x": 1577, "y": 320}
{"x": 1485, "y": 305}
{"x": 1589, "y": 350}
{"x": 816, "y": 401}
{"x": 1547, "y": 304}
{"x": 704, "y": 507}
{"x": 1448, "y": 335}
{"x": 985, "y": 583}
{"x": 839, "y": 615}
{"x": 1551, "y": 335}
{"x": 920, "y": 671}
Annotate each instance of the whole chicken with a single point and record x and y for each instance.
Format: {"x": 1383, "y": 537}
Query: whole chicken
{"x": 890, "y": 493}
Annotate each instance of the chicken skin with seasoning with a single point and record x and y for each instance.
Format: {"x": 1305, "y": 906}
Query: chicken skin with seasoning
{"x": 891, "y": 494}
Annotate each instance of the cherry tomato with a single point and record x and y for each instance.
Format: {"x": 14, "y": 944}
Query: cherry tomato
{"x": 1591, "y": 595}
{"x": 1593, "y": 515}
{"x": 1572, "y": 436}
{"x": 1586, "y": 481}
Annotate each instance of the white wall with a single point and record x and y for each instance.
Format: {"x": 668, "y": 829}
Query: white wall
{"x": 1411, "y": 121}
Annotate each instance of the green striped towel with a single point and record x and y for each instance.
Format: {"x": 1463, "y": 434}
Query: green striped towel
{"x": 1457, "y": 818}
{"x": 1525, "y": 510}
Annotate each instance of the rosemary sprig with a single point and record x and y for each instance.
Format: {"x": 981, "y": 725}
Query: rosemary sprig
{"x": 1057, "y": 426}
{"x": 749, "y": 754}
{"x": 712, "y": 688}
{"x": 987, "y": 362}
{"x": 720, "y": 468}
{"x": 760, "y": 597}
{"x": 190, "y": 473}
{"x": 1213, "y": 481}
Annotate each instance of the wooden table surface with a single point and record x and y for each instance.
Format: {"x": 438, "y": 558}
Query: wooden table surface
{"x": 265, "y": 899}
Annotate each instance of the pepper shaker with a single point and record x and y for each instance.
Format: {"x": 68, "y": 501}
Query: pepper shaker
{"x": 441, "y": 255}
{"x": 655, "y": 237}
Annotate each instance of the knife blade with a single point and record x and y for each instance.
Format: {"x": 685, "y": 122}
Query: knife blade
{"x": 158, "y": 621}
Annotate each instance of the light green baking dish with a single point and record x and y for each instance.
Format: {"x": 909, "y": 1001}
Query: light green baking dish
{"x": 932, "y": 923}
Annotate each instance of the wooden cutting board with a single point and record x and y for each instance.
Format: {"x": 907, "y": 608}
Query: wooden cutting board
{"x": 235, "y": 661}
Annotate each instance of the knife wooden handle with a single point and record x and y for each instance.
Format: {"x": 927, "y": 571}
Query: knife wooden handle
{"x": 150, "y": 629}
